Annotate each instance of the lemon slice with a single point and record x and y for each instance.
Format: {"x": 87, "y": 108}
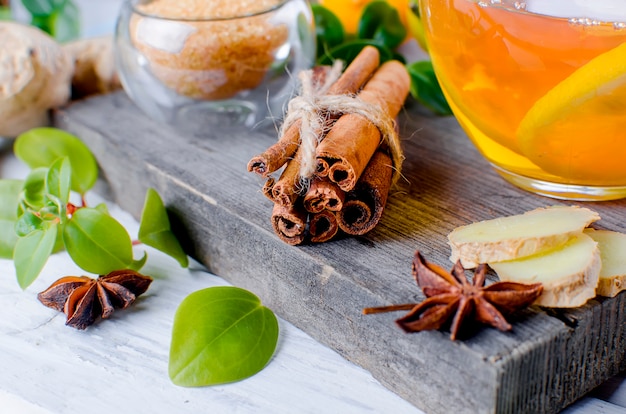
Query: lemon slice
{"x": 578, "y": 129}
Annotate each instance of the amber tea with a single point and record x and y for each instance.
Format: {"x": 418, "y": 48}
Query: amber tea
{"x": 543, "y": 97}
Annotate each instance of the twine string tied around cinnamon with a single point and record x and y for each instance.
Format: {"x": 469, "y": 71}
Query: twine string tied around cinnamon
{"x": 313, "y": 104}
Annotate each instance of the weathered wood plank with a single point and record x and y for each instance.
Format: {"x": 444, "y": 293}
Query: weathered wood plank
{"x": 544, "y": 364}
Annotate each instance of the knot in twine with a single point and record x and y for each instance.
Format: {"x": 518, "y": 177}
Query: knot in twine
{"x": 312, "y": 106}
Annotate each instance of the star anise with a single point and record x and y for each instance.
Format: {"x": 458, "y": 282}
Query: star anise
{"x": 452, "y": 299}
{"x": 84, "y": 299}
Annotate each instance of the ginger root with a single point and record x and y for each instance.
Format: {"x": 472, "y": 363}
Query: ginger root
{"x": 612, "y": 247}
{"x": 35, "y": 75}
{"x": 569, "y": 273}
{"x": 513, "y": 237}
{"x": 551, "y": 246}
{"x": 95, "y": 71}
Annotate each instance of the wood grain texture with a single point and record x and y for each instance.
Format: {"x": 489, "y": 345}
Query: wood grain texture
{"x": 549, "y": 359}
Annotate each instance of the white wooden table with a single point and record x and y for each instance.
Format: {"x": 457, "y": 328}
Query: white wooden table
{"x": 120, "y": 364}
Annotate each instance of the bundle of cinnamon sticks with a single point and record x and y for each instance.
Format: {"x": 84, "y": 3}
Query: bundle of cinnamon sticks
{"x": 353, "y": 163}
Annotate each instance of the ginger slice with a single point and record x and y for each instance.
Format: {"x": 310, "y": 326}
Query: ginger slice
{"x": 612, "y": 247}
{"x": 512, "y": 237}
{"x": 569, "y": 273}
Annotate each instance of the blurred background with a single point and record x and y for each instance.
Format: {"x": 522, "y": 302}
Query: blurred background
{"x": 73, "y": 18}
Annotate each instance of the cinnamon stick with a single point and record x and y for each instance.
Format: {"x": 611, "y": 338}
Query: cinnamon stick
{"x": 364, "y": 206}
{"x": 323, "y": 226}
{"x": 268, "y": 187}
{"x": 323, "y": 195}
{"x": 353, "y": 139}
{"x": 287, "y": 189}
{"x": 352, "y": 79}
{"x": 322, "y": 168}
{"x": 289, "y": 223}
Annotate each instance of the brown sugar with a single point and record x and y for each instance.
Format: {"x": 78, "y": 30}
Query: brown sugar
{"x": 203, "y": 9}
{"x": 202, "y": 50}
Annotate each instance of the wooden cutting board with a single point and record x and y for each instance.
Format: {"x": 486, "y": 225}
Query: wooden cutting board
{"x": 550, "y": 359}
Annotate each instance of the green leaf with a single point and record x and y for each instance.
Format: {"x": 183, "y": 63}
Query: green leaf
{"x": 66, "y": 23}
{"x": 381, "y": 22}
{"x": 40, "y": 7}
{"x": 9, "y": 196}
{"x": 59, "y": 18}
{"x": 138, "y": 264}
{"x": 53, "y": 209}
{"x": 328, "y": 29}
{"x": 102, "y": 207}
{"x": 349, "y": 50}
{"x": 34, "y": 190}
{"x": 59, "y": 4}
{"x": 5, "y": 13}
{"x": 426, "y": 89}
{"x": 8, "y": 238}
{"x": 28, "y": 223}
{"x": 31, "y": 254}
{"x": 155, "y": 230}
{"x": 44, "y": 22}
{"x": 220, "y": 334}
{"x": 58, "y": 179}
{"x": 58, "y": 243}
{"x": 97, "y": 242}
{"x": 40, "y": 147}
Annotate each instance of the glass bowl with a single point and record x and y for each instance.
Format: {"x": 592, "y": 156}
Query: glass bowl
{"x": 539, "y": 87}
{"x": 196, "y": 64}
